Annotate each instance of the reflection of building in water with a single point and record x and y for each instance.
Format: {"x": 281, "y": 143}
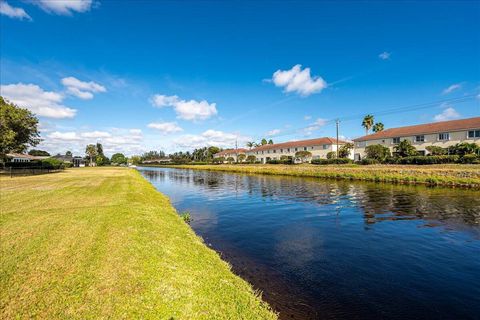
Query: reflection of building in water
{"x": 387, "y": 202}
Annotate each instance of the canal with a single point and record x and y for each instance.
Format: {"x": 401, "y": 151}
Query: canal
{"x": 321, "y": 249}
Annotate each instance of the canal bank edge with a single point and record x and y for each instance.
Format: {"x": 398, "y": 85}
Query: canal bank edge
{"x": 106, "y": 243}
{"x": 457, "y": 175}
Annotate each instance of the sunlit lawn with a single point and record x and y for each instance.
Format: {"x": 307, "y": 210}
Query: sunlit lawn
{"x": 103, "y": 243}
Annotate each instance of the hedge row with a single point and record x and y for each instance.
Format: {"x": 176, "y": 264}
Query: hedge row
{"x": 332, "y": 161}
{"x": 420, "y": 160}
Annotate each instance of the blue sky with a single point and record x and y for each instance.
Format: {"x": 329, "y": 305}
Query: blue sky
{"x": 143, "y": 75}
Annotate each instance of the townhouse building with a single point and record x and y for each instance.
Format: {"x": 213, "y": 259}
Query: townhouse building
{"x": 442, "y": 134}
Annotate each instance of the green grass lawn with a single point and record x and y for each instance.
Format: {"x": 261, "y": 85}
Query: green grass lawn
{"x": 452, "y": 175}
{"x": 103, "y": 243}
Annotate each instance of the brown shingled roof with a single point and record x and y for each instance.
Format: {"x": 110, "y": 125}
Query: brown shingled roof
{"x": 427, "y": 128}
{"x": 231, "y": 151}
{"x": 299, "y": 143}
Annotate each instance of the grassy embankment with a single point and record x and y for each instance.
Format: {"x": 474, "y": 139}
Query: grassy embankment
{"x": 455, "y": 175}
{"x": 103, "y": 243}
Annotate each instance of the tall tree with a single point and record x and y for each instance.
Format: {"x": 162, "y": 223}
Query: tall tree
{"x": 69, "y": 153}
{"x": 250, "y": 144}
{"x": 367, "y": 122}
{"x": 377, "y": 127}
{"x": 35, "y": 152}
{"x": 264, "y": 142}
{"x": 91, "y": 151}
{"x": 270, "y": 141}
{"x": 18, "y": 128}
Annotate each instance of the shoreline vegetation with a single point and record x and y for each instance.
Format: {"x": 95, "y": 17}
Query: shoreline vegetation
{"x": 104, "y": 243}
{"x": 448, "y": 175}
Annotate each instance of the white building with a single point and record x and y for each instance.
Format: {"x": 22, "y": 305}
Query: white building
{"x": 234, "y": 153}
{"x": 319, "y": 148}
{"x": 442, "y": 134}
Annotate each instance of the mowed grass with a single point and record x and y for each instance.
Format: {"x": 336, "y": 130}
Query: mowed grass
{"x": 454, "y": 175}
{"x": 103, "y": 243}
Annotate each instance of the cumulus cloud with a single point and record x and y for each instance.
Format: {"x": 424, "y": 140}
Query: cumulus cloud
{"x": 96, "y": 134}
{"x": 452, "y": 88}
{"x": 211, "y": 138}
{"x": 187, "y": 110}
{"x": 273, "y": 132}
{"x": 165, "y": 127}
{"x": 13, "y": 12}
{"x": 81, "y": 89}
{"x": 384, "y": 55}
{"x": 306, "y": 118}
{"x": 42, "y": 103}
{"x": 64, "y": 7}
{"x": 298, "y": 81}
{"x": 448, "y": 113}
{"x": 127, "y": 141}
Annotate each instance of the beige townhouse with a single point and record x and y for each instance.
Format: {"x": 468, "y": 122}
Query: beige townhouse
{"x": 442, "y": 134}
{"x": 234, "y": 153}
{"x": 319, "y": 148}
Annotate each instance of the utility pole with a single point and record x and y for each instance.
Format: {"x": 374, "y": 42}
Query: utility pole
{"x": 236, "y": 149}
{"x": 337, "y": 122}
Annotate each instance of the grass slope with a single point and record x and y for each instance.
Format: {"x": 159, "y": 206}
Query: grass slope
{"x": 455, "y": 175}
{"x": 103, "y": 243}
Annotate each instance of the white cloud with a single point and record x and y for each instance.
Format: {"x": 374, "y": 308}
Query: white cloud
{"x": 42, "y": 103}
{"x": 452, "y": 88}
{"x": 306, "y": 118}
{"x": 81, "y": 89}
{"x": 187, "y": 110}
{"x": 315, "y": 126}
{"x": 64, "y": 7}
{"x": 384, "y": 55}
{"x": 13, "y": 12}
{"x": 96, "y": 134}
{"x": 273, "y": 132}
{"x": 127, "y": 141}
{"x": 66, "y": 136}
{"x": 211, "y": 138}
{"x": 299, "y": 81}
{"x": 447, "y": 114}
{"x": 165, "y": 127}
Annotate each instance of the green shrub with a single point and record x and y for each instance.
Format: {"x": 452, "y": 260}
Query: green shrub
{"x": 377, "y": 152}
{"x": 470, "y": 158}
{"x": 436, "y": 150}
{"x": 368, "y": 161}
{"x": 286, "y": 161}
{"x": 186, "y": 217}
{"x": 331, "y": 155}
{"x": 332, "y": 161}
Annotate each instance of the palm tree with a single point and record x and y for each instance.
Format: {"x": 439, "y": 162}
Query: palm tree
{"x": 378, "y": 127}
{"x": 251, "y": 144}
{"x": 367, "y": 122}
{"x": 91, "y": 151}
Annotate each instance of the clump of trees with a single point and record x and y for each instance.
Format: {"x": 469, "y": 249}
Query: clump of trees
{"x": 345, "y": 150}
{"x": 38, "y": 153}
{"x": 368, "y": 123}
{"x": 253, "y": 144}
{"x": 303, "y": 155}
{"x": 118, "y": 159}
{"x": 18, "y": 129}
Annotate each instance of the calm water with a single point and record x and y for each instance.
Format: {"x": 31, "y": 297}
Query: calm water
{"x": 339, "y": 250}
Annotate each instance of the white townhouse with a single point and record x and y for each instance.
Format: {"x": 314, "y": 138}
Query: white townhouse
{"x": 234, "y": 153}
{"x": 319, "y": 148}
{"x": 442, "y": 134}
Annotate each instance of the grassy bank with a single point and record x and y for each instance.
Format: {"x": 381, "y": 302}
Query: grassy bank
{"x": 103, "y": 243}
{"x": 455, "y": 175}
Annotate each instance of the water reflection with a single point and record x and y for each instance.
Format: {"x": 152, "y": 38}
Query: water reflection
{"x": 327, "y": 249}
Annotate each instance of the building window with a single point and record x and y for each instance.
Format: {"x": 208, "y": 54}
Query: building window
{"x": 296, "y": 149}
{"x": 311, "y": 148}
{"x": 257, "y": 152}
{"x": 281, "y": 150}
{"x": 325, "y": 146}
{"x": 274, "y": 151}
{"x": 396, "y": 140}
{"x": 304, "y": 148}
{"x": 444, "y": 136}
{"x": 288, "y": 150}
{"x": 474, "y": 133}
{"x": 268, "y": 151}
{"x": 420, "y": 138}
{"x": 262, "y": 152}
